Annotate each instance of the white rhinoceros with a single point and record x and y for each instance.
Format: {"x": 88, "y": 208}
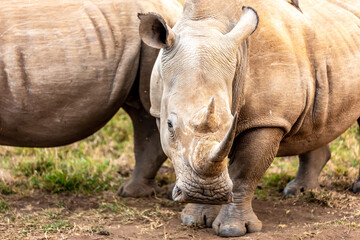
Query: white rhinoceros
{"x": 67, "y": 66}
{"x": 288, "y": 89}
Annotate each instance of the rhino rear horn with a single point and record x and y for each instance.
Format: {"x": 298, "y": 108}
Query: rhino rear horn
{"x": 245, "y": 27}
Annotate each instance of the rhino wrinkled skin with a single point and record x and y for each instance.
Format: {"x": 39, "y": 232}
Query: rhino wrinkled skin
{"x": 251, "y": 79}
{"x": 66, "y": 67}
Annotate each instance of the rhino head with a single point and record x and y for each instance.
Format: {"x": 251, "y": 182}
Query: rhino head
{"x": 192, "y": 96}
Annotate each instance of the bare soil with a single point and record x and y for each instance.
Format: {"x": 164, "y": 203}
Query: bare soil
{"x": 39, "y": 215}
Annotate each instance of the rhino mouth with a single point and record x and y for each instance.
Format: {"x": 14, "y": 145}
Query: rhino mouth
{"x": 192, "y": 188}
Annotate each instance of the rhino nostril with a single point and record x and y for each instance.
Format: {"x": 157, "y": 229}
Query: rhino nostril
{"x": 176, "y": 193}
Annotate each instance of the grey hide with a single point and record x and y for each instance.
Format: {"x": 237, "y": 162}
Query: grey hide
{"x": 66, "y": 67}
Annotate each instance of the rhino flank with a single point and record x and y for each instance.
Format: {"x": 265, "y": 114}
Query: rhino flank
{"x": 66, "y": 67}
{"x": 288, "y": 89}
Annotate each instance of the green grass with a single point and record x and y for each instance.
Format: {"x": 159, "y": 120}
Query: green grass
{"x": 4, "y": 206}
{"x": 58, "y": 227}
{"x": 345, "y": 158}
{"x": 6, "y": 189}
{"x": 86, "y": 166}
{"x": 74, "y": 175}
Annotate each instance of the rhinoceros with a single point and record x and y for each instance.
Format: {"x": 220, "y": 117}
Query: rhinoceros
{"x": 66, "y": 67}
{"x": 251, "y": 80}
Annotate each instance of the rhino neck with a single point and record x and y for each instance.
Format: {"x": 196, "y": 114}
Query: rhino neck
{"x": 219, "y": 9}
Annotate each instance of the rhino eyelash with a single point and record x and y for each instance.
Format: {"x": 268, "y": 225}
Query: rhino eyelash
{"x": 172, "y": 134}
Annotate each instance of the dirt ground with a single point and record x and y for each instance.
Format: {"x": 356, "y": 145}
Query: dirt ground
{"x": 39, "y": 215}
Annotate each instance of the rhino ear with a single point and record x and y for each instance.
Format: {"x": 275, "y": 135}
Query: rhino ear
{"x": 156, "y": 88}
{"x": 154, "y": 31}
{"x": 245, "y": 27}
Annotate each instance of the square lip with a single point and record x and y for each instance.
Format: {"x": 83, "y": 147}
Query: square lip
{"x": 185, "y": 199}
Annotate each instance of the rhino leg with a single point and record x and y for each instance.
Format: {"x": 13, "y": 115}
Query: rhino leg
{"x": 149, "y": 155}
{"x": 199, "y": 214}
{"x": 252, "y": 154}
{"x": 356, "y": 184}
{"x": 310, "y": 166}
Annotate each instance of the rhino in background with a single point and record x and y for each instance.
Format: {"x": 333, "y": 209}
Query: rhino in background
{"x": 288, "y": 89}
{"x": 66, "y": 67}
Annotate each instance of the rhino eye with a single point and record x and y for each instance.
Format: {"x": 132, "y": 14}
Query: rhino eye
{"x": 171, "y": 128}
{"x": 169, "y": 123}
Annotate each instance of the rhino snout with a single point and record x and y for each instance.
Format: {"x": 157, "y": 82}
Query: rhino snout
{"x": 192, "y": 188}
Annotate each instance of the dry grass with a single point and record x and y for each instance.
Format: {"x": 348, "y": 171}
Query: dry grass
{"x": 65, "y": 217}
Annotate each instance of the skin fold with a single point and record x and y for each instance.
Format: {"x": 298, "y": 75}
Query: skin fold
{"x": 66, "y": 67}
{"x": 251, "y": 80}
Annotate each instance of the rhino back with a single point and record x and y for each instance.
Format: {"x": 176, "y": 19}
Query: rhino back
{"x": 65, "y": 67}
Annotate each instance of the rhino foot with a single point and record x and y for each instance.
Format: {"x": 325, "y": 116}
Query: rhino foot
{"x": 199, "y": 214}
{"x": 310, "y": 165}
{"x": 136, "y": 188}
{"x": 356, "y": 186}
{"x": 236, "y": 220}
{"x": 295, "y": 186}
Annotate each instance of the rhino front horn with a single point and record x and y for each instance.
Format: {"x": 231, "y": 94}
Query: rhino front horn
{"x": 220, "y": 151}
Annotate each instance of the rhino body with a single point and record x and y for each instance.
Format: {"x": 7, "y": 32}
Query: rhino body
{"x": 288, "y": 89}
{"x": 66, "y": 67}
